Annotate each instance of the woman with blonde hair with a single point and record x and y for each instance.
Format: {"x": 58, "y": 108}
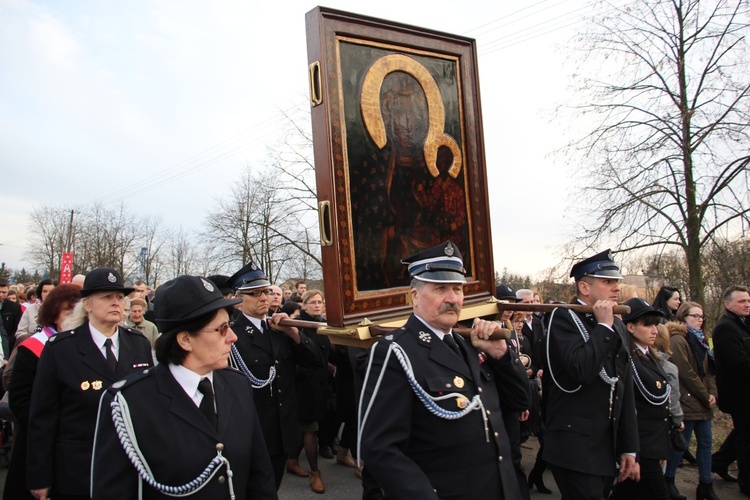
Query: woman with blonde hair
{"x": 694, "y": 360}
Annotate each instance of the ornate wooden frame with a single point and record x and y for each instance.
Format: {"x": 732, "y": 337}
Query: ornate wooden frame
{"x": 399, "y": 159}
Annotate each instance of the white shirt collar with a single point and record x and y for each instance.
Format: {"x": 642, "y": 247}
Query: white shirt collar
{"x": 188, "y": 380}
{"x": 255, "y": 321}
{"x": 644, "y": 350}
{"x": 437, "y": 332}
{"x": 99, "y": 339}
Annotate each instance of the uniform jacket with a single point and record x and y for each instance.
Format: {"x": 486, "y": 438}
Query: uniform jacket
{"x": 535, "y": 334}
{"x": 732, "y": 350}
{"x": 580, "y": 434}
{"x": 313, "y": 384}
{"x": 276, "y": 403}
{"x": 71, "y": 376}
{"x": 653, "y": 420}
{"x": 694, "y": 390}
{"x": 178, "y": 442}
{"x": 414, "y": 454}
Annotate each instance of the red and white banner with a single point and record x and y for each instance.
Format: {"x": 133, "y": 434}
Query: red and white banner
{"x": 66, "y": 268}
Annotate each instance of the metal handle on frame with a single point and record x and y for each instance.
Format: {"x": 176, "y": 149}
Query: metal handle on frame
{"x": 324, "y": 218}
{"x": 316, "y": 94}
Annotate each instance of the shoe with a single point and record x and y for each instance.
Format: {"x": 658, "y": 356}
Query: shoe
{"x": 316, "y": 482}
{"x": 723, "y": 472}
{"x": 536, "y": 478}
{"x": 293, "y": 467}
{"x": 674, "y": 494}
{"x": 343, "y": 458}
{"x": 705, "y": 491}
{"x": 325, "y": 452}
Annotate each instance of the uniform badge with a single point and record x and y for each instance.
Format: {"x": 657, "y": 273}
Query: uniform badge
{"x": 425, "y": 337}
{"x": 111, "y": 278}
{"x": 118, "y": 384}
{"x": 658, "y": 384}
{"x": 458, "y": 382}
{"x": 85, "y": 385}
{"x": 449, "y": 250}
{"x": 207, "y": 285}
{"x": 462, "y": 402}
{"x": 388, "y": 337}
{"x": 97, "y": 385}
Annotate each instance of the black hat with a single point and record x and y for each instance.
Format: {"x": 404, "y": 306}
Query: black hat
{"x": 222, "y": 283}
{"x": 103, "y": 279}
{"x": 185, "y": 298}
{"x": 505, "y": 292}
{"x": 638, "y": 308}
{"x": 248, "y": 278}
{"x": 439, "y": 264}
{"x": 601, "y": 265}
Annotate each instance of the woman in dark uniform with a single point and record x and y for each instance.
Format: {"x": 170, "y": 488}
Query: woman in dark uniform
{"x": 651, "y": 402}
{"x": 74, "y": 369}
{"x": 191, "y": 421}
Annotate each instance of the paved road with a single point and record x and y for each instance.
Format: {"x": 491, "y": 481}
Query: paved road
{"x": 342, "y": 485}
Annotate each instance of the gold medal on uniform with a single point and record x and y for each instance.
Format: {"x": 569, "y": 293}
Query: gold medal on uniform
{"x": 85, "y": 385}
{"x": 97, "y": 385}
{"x": 658, "y": 384}
{"x": 458, "y": 382}
{"x": 462, "y": 402}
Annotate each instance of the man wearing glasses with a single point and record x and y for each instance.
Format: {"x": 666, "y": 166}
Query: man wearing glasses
{"x": 263, "y": 344}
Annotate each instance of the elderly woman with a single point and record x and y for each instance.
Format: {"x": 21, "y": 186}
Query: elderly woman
{"x": 312, "y": 394}
{"x": 74, "y": 369}
{"x": 58, "y": 305}
{"x": 694, "y": 360}
{"x": 192, "y": 421}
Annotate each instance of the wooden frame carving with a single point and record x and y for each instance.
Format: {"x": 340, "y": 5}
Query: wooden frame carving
{"x": 399, "y": 159}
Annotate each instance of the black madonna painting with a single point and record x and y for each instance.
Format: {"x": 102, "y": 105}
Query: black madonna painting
{"x": 398, "y": 155}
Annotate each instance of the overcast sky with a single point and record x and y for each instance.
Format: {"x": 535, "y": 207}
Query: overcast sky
{"x": 160, "y": 104}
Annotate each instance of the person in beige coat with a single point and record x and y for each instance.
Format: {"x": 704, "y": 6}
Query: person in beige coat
{"x": 694, "y": 360}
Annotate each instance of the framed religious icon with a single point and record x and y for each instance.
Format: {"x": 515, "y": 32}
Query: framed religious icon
{"x": 399, "y": 159}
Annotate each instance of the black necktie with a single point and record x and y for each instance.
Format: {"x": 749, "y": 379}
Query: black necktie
{"x": 111, "y": 359}
{"x": 207, "y": 403}
{"x": 451, "y": 342}
{"x": 263, "y": 326}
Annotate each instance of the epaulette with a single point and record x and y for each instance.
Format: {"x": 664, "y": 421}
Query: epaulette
{"x": 129, "y": 380}
{"x": 59, "y": 337}
{"x": 132, "y": 330}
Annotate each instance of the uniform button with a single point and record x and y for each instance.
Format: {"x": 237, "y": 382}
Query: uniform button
{"x": 447, "y": 385}
{"x": 480, "y": 389}
{"x": 500, "y": 459}
{"x": 277, "y": 361}
{"x": 489, "y": 412}
{"x": 497, "y": 434}
{"x": 279, "y": 391}
{"x": 617, "y": 397}
{"x": 517, "y": 361}
{"x": 221, "y": 479}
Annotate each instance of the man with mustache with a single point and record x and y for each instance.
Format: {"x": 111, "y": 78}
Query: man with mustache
{"x": 430, "y": 414}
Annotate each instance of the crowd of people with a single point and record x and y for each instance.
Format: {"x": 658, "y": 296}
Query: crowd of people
{"x": 105, "y": 381}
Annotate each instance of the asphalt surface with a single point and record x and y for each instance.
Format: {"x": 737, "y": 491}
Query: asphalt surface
{"x": 341, "y": 484}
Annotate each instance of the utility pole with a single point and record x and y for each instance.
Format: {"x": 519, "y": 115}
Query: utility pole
{"x": 69, "y": 244}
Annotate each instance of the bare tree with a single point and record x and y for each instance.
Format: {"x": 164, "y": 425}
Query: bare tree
{"x": 49, "y": 238}
{"x": 182, "y": 251}
{"x": 665, "y": 163}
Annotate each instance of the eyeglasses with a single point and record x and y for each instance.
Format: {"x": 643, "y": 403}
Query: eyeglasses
{"x": 257, "y": 293}
{"x": 315, "y": 302}
{"x": 223, "y": 329}
{"x": 696, "y": 316}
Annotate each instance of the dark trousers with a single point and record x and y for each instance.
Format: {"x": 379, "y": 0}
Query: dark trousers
{"x": 736, "y": 447}
{"x": 278, "y": 462}
{"x": 579, "y": 486}
{"x": 652, "y": 485}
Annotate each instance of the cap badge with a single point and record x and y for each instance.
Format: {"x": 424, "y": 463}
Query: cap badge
{"x": 458, "y": 382}
{"x": 425, "y": 337}
{"x": 111, "y": 278}
{"x": 253, "y": 266}
{"x": 388, "y": 337}
{"x": 462, "y": 402}
{"x": 207, "y": 285}
{"x": 449, "y": 250}
{"x": 85, "y": 385}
